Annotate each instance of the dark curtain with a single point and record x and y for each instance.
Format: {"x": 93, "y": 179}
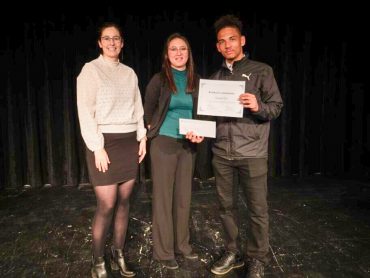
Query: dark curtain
{"x": 323, "y": 128}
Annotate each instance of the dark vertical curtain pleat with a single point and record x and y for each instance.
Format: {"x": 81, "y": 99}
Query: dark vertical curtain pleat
{"x": 286, "y": 66}
{"x": 31, "y": 135}
{"x": 70, "y": 158}
{"x": 344, "y": 115}
{"x": 11, "y": 148}
{"x": 49, "y": 126}
{"x": 306, "y": 83}
{"x": 323, "y": 70}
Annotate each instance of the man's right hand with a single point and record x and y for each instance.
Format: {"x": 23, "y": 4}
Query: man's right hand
{"x": 101, "y": 160}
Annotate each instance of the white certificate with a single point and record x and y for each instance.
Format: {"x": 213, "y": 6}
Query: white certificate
{"x": 220, "y": 98}
{"x": 200, "y": 128}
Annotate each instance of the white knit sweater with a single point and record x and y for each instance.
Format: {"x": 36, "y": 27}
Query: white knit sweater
{"x": 108, "y": 101}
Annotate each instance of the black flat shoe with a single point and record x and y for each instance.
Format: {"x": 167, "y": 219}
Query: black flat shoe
{"x": 191, "y": 256}
{"x": 170, "y": 264}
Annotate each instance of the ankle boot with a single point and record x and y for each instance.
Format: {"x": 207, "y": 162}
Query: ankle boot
{"x": 98, "y": 269}
{"x": 118, "y": 263}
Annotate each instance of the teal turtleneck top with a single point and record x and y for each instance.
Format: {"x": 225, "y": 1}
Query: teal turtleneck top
{"x": 181, "y": 106}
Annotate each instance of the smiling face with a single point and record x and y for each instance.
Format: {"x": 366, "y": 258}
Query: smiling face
{"x": 178, "y": 53}
{"x": 111, "y": 43}
{"x": 230, "y": 44}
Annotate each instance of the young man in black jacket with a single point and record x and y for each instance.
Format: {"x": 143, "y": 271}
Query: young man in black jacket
{"x": 242, "y": 144}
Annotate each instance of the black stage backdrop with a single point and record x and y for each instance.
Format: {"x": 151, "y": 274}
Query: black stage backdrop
{"x": 323, "y": 129}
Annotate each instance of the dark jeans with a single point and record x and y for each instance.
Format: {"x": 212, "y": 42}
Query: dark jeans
{"x": 252, "y": 174}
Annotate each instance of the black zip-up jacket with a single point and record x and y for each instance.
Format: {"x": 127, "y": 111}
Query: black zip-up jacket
{"x": 247, "y": 137}
{"x": 157, "y": 101}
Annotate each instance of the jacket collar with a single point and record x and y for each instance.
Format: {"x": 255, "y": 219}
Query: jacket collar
{"x": 236, "y": 64}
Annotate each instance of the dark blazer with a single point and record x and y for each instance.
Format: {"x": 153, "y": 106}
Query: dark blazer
{"x": 157, "y": 101}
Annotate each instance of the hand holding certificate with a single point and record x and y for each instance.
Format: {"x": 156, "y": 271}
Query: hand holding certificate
{"x": 200, "y": 128}
{"x": 220, "y": 98}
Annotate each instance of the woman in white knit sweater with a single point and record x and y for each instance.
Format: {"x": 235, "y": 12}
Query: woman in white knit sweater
{"x": 110, "y": 112}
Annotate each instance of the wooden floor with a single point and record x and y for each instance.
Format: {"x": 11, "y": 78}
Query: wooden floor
{"x": 319, "y": 227}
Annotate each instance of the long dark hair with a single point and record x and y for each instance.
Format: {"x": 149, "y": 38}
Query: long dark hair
{"x": 166, "y": 71}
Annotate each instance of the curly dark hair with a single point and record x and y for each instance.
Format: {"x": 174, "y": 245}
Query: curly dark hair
{"x": 228, "y": 21}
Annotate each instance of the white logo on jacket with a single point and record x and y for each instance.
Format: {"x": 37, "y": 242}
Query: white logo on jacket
{"x": 247, "y": 76}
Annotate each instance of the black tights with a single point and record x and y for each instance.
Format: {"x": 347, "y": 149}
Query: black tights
{"x": 111, "y": 200}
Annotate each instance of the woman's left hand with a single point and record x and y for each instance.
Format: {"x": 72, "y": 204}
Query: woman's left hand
{"x": 194, "y": 138}
{"x": 142, "y": 149}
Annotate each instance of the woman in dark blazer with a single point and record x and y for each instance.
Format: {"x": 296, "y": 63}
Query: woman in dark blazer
{"x": 170, "y": 95}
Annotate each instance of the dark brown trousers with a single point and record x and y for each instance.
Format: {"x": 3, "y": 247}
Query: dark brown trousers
{"x": 172, "y": 171}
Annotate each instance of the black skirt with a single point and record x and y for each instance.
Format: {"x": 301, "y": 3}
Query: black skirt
{"x": 122, "y": 150}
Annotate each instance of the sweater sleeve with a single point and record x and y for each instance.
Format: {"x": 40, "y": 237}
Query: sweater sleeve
{"x": 86, "y": 106}
{"x": 139, "y": 112}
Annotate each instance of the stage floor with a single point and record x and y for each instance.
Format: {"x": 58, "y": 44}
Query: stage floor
{"x": 319, "y": 227}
